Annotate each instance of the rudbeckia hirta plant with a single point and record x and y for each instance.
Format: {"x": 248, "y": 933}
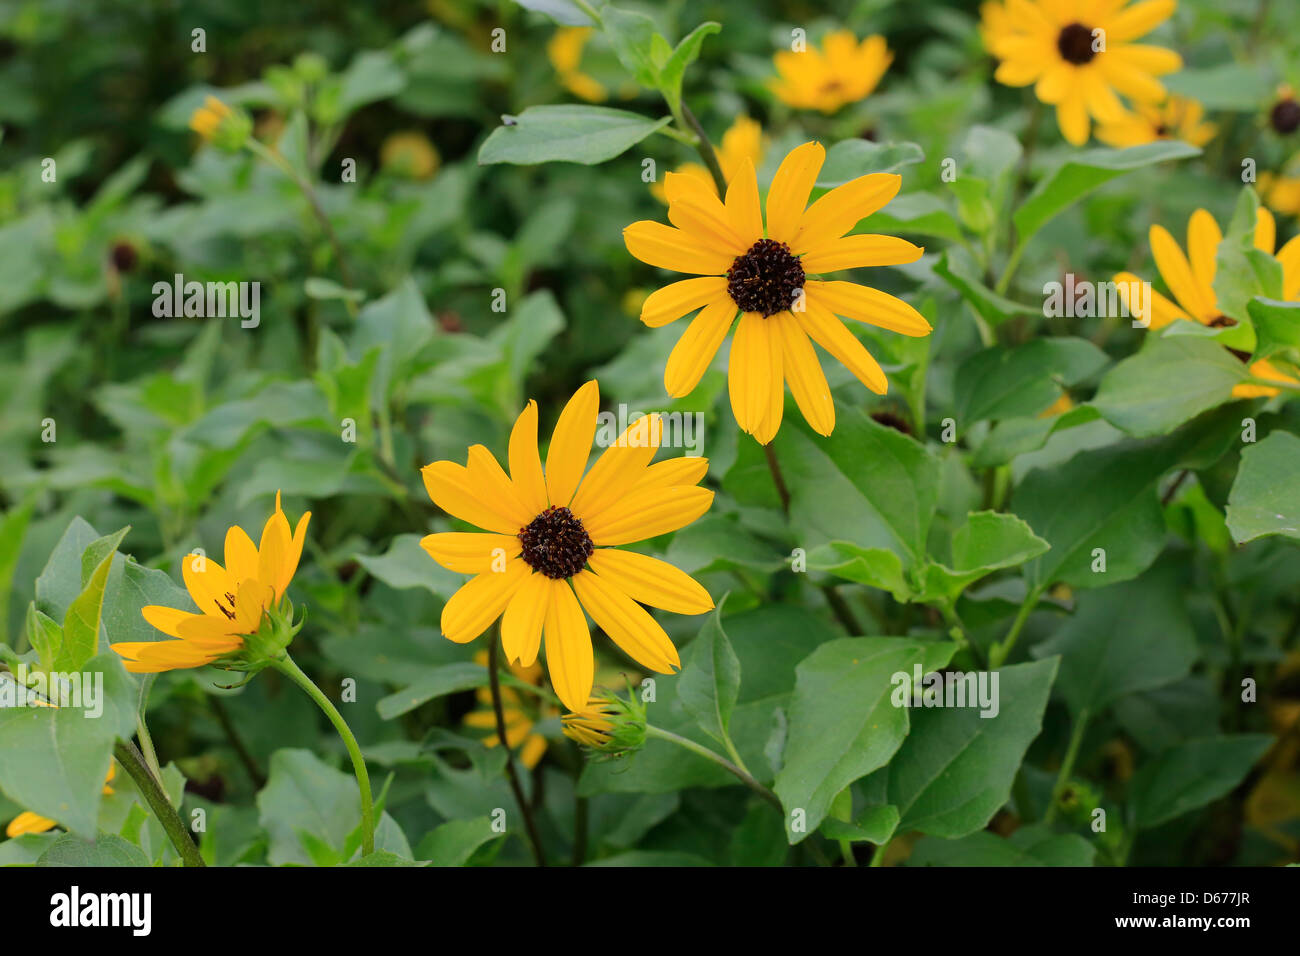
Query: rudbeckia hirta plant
{"x": 551, "y": 543}
{"x": 842, "y": 71}
{"x": 1177, "y": 118}
{"x": 760, "y": 269}
{"x": 1079, "y": 54}
{"x": 1190, "y": 279}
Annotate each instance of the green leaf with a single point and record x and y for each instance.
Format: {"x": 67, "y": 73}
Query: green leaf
{"x": 875, "y": 825}
{"x": 997, "y": 383}
{"x": 709, "y": 685}
{"x": 986, "y": 542}
{"x": 851, "y": 158}
{"x": 436, "y": 682}
{"x": 955, "y": 768}
{"x": 631, "y": 35}
{"x": 922, "y": 214}
{"x": 407, "y": 565}
{"x": 833, "y": 742}
{"x": 874, "y": 567}
{"x": 991, "y": 155}
{"x": 1172, "y": 380}
{"x": 1029, "y": 846}
{"x": 454, "y": 842}
{"x": 1132, "y": 637}
{"x": 958, "y": 269}
{"x": 81, "y": 623}
{"x": 107, "y": 849}
{"x": 45, "y": 635}
{"x": 565, "y": 12}
{"x": 1189, "y": 775}
{"x": 683, "y": 55}
{"x": 1229, "y": 86}
{"x": 1277, "y": 325}
{"x": 1081, "y": 174}
{"x": 1263, "y": 499}
{"x": 13, "y": 528}
{"x": 566, "y": 134}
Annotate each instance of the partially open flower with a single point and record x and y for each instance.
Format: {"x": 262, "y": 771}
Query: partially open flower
{"x": 220, "y": 125}
{"x": 609, "y": 725}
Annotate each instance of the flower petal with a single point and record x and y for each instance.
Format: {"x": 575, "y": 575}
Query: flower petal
{"x": 868, "y": 305}
{"x": 829, "y": 332}
{"x": 525, "y": 463}
{"x": 1177, "y": 273}
{"x": 835, "y": 213}
{"x": 165, "y": 619}
{"x": 628, "y": 624}
{"x": 207, "y": 582}
{"x": 694, "y": 351}
{"x": 470, "y": 552}
{"x": 241, "y": 555}
{"x": 646, "y": 514}
{"x": 480, "y": 601}
{"x": 569, "y": 658}
{"x": 804, "y": 373}
{"x": 742, "y": 206}
{"x": 687, "y": 470}
{"x": 1139, "y": 19}
{"x": 493, "y": 484}
{"x": 618, "y": 468}
{"x": 521, "y": 624}
{"x": 788, "y": 194}
{"x": 860, "y": 251}
{"x": 681, "y": 298}
{"x": 570, "y": 447}
{"x": 651, "y": 581}
{"x": 668, "y": 248}
{"x": 1203, "y": 238}
{"x": 450, "y": 488}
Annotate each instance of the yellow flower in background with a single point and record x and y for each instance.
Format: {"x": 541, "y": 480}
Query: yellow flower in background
{"x": 742, "y": 141}
{"x": 564, "y": 50}
{"x": 550, "y": 544}
{"x": 28, "y": 822}
{"x": 1062, "y": 405}
{"x": 410, "y": 154}
{"x": 207, "y": 118}
{"x": 1177, "y": 118}
{"x": 762, "y": 273}
{"x": 515, "y": 711}
{"x": 1190, "y": 278}
{"x": 1079, "y": 54}
{"x": 233, "y": 601}
{"x": 841, "y": 72}
{"x": 1280, "y": 193}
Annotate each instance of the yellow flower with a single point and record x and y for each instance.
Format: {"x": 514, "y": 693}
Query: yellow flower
{"x": 843, "y": 71}
{"x": 1176, "y": 118}
{"x": 519, "y": 724}
{"x": 1062, "y": 405}
{"x": 1190, "y": 278}
{"x": 207, "y": 118}
{"x": 233, "y": 602}
{"x": 550, "y": 543}
{"x": 564, "y": 50}
{"x": 593, "y": 725}
{"x": 1281, "y": 193}
{"x": 410, "y": 154}
{"x": 742, "y": 141}
{"x": 762, "y": 274}
{"x": 995, "y": 22}
{"x": 1080, "y": 53}
{"x": 28, "y": 822}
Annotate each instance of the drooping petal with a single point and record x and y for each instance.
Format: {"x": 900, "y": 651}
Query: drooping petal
{"x": 829, "y": 332}
{"x": 645, "y": 514}
{"x": 480, "y": 601}
{"x": 748, "y": 370}
{"x": 470, "y": 552}
{"x": 570, "y": 447}
{"x": 521, "y": 624}
{"x": 627, "y": 623}
{"x": 651, "y": 581}
{"x": 569, "y": 658}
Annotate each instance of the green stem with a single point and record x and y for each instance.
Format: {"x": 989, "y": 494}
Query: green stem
{"x": 998, "y": 652}
{"x": 878, "y": 855}
{"x": 133, "y": 762}
{"x": 778, "y": 479}
{"x": 494, "y": 679}
{"x": 731, "y": 768}
{"x": 1067, "y": 765}
{"x": 705, "y": 149}
{"x": 295, "y": 673}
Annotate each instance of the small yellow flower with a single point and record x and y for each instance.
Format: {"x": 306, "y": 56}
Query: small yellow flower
{"x": 514, "y": 709}
{"x": 207, "y": 118}
{"x": 1079, "y": 53}
{"x": 762, "y": 273}
{"x": 1177, "y": 118}
{"x": 233, "y": 603}
{"x": 564, "y": 50}
{"x": 410, "y": 154}
{"x": 1280, "y": 193}
{"x": 550, "y": 545}
{"x": 742, "y": 141}
{"x": 28, "y": 822}
{"x": 592, "y": 725}
{"x": 841, "y": 72}
{"x": 1190, "y": 279}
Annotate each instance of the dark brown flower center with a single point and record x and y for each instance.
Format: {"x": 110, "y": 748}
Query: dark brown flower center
{"x": 1285, "y": 116}
{"x": 556, "y": 544}
{"x": 1221, "y": 322}
{"x": 1075, "y": 44}
{"x": 766, "y": 279}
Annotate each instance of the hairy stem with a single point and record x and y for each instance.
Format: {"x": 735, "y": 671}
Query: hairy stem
{"x": 129, "y": 756}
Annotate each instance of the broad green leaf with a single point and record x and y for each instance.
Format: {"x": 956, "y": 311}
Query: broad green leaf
{"x": 1081, "y": 174}
{"x": 843, "y": 724}
{"x": 991, "y": 155}
{"x": 81, "y": 623}
{"x": 438, "y": 682}
{"x": 998, "y": 383}
{"x": 921, "y": 214}
{"x": 1277, "y": 325}
{"x": 955, "y": 767}
{"x": 986, "y": 542}
{"x": 1263, "y": 500}
{"x": 851, "y": 158}
{"x": 1171, "y": 380}
{"x": 107, "y": 849}
{"x": 455, "y": 841}
{"x": 683, "y": 55}
{"x": 1229, "y": 86}
{"x": 1189, "y": 775}
{"x": 1131, "y": 637}
{"x": 60, "y": 581}
{"x": 407, "y": 565}
{"x": 1016, "y": 436}
{"x": 631, "y": 35}
{"x": 561, "y": 11}
{"x": 1029, "y": 846}
{"x": 874, "y": 567}
{"x": 875, "y": 825}
{"x": 566, "y": 134}
{"x": 710, "y": 683}
{"x": 44, "y": 635}
{"x": 13, "y": 528}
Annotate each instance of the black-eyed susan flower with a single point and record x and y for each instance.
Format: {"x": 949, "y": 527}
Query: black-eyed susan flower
{"x": 761, "y": 271}
{"x": 609, "y": 726}
{"x": 1079, "y": 54}
{"x": 1190, "y": 279}
{"x": 1281, "y": 192}
{"x": 220, "y": 125}
{"x": 840, "y": 72}
{"x": 550, "y": 545}
{"x": 564, "y": 50}
{"x": 409, "y": 154}
{"x": 28, "y": 822}
{"x": 1177, "y": 118}
{"x": 742, "y": 141}
{"x": 1284, "y": 117}
{"x": 243, "y": 617}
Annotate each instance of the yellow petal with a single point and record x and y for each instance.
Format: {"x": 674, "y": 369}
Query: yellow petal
{"x": 829, "y": 332}
{"x": 569, "y": 658}
{"x": 521, "y": 624}
{"x": 860, "y": 251}
{"x": 673, "y": 471}
{"x": 791, "y": 185}
{"x": 469, "y": 552}
{"x": 645, "y": 514}
{"x": 1177, "y": 273}
{"x": 241, "y": 556}
{"x": 450, "y": 488}
{"x": 627, "y": 623}
{"x": 207, "y": 583}
{"x": 748, "y": 368}
{"x": 28, "y": 822}
{"x": 525, "y": 463}
{"x": 651, "y": 581}
{"x": 742, "y": 202}
{"x": 1265, "y": 231}
{"x": 835, "y": 213}
{"x": 618, "y": 468}
{"x": 1139, "y": 19}
{"x": 491, "y": 483}
{"x": 1289, "y": 256}
{"x": 668, "y": 248}
{"x": 804, "y": 373}
{"x": 566, "y": 458}
{"x": 1072, "y": 118}
{"x": 480, "y": 601}
{"x": 681, "y": 298}
{"x": 273, "y": 552}
{"x": 253, "y": 599}
{"x": 165, "y": 619}
{"x": 1203, "y": 237}
{"x": 868, "y": 305}
{"x": 694, "y": 351}
{"x": 774, "y": 398}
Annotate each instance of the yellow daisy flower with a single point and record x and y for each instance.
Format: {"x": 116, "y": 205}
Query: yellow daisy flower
{"x": 549, "y": 548}
{"x": 410, "y": 154}
{"x": 1190, "y": 278}
{"x": 564, "y": 50}
{"x": 762, "y": 273}
{"x": 843, "y": 71}
{"x": 207, "y": 118}
{"x": 1281, "y": 193}
{"x": 742, "y": 141}
{"x": 1080, "y": 53}
{"x": 1176, "y": 118}
{"x": 28, "y": 822}
{"x": 233, "y": 601}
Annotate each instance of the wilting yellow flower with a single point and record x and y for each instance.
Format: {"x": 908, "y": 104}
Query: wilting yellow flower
{"x": 208, "y": 117}
{"x": 843, "y": 71}
{"x": 410, "y": 154}
{"x": 742, "y": 141}
{"x": 514, "y": 709}
{"x": 1190, "y": 278}
{"x": 1281, "y": 193}
{"x": 550, "y": 543}
{"x": 564, "y": 50}
{"x": 763, "y": 274}
{"x": 1080, "y": 53}
{"x": 233, "y": 603}
{"x": 28, "y": 822}
{"x": 1176, "y": 118}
